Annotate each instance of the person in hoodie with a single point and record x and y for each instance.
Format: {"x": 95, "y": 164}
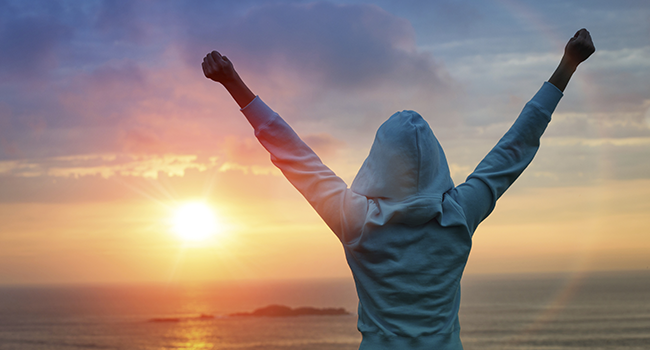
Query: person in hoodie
{"x": 405, "y": 227}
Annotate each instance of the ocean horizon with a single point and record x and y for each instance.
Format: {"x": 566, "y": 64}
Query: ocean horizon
{"x": 586, "y": 310}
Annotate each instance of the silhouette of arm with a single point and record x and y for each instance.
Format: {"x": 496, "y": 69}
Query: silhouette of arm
{"x": 516, "y": 149}
{"x": 341, "y": 209}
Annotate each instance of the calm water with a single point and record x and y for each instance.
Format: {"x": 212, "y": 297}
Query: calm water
{"x": 596, "y": 311}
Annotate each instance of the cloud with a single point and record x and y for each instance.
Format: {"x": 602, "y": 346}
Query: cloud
{"x": 236, "y": 153}
{"x": 599, "y": 126}
{"x": 110, "y": 176}
{"x": 105, "y": 165}
{"x": 114, "y": 86}
{"x": 617, "y": 79}
{"x": 342, "y": 69}
{"x": 119, "y": 106}
{"x": 124, "y": 78}
{"x": 338, "y": 46}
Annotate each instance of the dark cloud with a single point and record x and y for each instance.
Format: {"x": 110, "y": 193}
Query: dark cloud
{"x": 343, "y": 46}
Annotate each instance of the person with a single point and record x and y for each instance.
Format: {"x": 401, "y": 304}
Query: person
{"x": 405, "y": 227}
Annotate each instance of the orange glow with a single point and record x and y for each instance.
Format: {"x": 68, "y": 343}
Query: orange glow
{"x": 266, "y": 230}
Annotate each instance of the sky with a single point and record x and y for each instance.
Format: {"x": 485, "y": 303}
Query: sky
{"x": 108, "y": 126}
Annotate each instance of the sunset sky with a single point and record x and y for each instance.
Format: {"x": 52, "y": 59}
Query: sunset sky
{"x": 108, "y": 126}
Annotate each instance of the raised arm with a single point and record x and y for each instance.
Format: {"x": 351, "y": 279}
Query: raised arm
{"x": 516, "y": 149}
{"x": 220, "y": 69}
{"x": 576, "y": 51}
{"x": 340, "y": 208}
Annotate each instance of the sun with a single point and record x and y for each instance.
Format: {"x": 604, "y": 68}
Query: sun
{"x": 195, "y": 221}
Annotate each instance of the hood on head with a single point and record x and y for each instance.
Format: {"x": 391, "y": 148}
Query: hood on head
{"x": 405, "y": 161}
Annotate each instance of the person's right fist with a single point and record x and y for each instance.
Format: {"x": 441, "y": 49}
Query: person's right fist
{"x": 218, "y": 68}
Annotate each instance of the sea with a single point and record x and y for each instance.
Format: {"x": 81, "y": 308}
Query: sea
{"x": 604, "y": 310}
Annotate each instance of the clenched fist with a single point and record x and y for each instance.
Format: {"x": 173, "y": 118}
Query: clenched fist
{"x": 579, "y": 48}
{"x": 218, "y": 68}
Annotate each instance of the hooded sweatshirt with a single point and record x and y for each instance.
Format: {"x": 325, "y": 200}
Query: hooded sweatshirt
{"x": 405, "y": 228}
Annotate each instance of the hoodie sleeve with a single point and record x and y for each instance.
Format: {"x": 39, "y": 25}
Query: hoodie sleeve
{"x": 341, "y": 209}
{"x": 508, "y": 159}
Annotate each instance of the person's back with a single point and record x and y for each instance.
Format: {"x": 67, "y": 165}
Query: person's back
{"x": 406, "y": 229}
{"x": 411, "y": 250}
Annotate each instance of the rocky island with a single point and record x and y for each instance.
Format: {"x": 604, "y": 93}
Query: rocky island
{"x": 285, "y": 311}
